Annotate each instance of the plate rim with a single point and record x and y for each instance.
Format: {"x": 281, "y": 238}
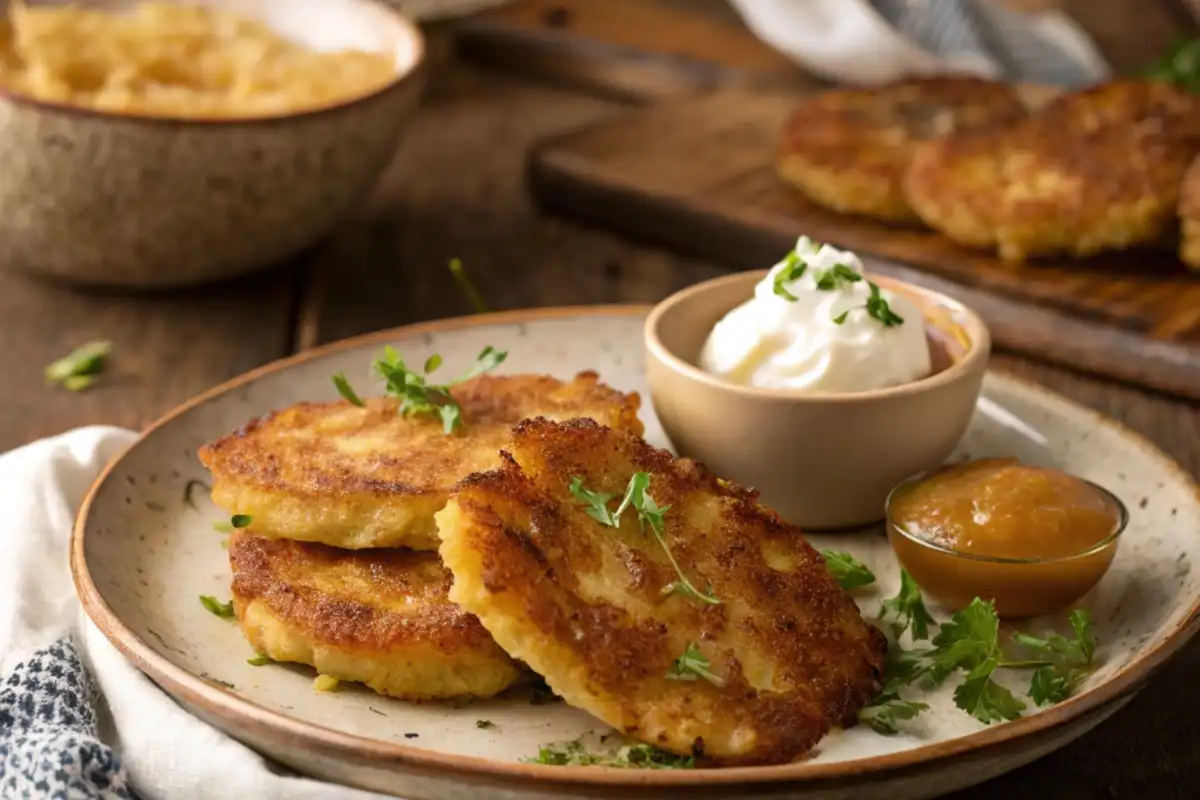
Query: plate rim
{"x": 218, "y": 702}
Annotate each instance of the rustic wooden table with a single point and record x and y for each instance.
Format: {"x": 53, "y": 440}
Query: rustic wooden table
{"x": 456, "y": 189}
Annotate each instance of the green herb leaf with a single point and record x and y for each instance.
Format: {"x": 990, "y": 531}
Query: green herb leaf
{"x": 484, "y": 724}
{"x": 693, "y": 664}
{"x": 346, "y": 390}
{"x": 78, "y": 369}
{"x": 908, "y": 607}
{"x": 649, "y": 515}
{"x": 878, "y": 308}
{"x": 1066, "y": 661}
{"x": 884, "y": 713}
{"x": 847, "y": 570}
{"x": 215, "y": 606}
{"x": 793, "y": 268}
{"x": 1180, "y": 65}
{"x": 835, "y": 276}
{"x": 417, "y": 395}
{"x": 241, "y": 520}
{"x": 474, "y": 297}
{"x": 260, "y": 661}
{"x": 903, "y": 667}
{"x": 840, "y": 319}
{"x": 597, "y": 503}
{"x": 1051, "y": 685}
{"x": 633, "y": 756}
{"x": 969, "y": 639}
{"x": 984, "y": 699}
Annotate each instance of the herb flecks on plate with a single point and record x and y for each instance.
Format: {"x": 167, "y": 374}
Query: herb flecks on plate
{"x": 414, "y": 390}
{"x": 649, "y": 515}
{"x": 847, "y": 570}
{"x": 80, "y": 368}
{"x": 631, "y": 756}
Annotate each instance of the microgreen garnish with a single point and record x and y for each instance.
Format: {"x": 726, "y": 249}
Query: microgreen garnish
{"x": 692, "y": 665}
{"x": 235, "y": 522}
{"x": 215, "y": 606}
{"x": 1066, "y": 660}
{"x": 649, "y": 514}
{"x": 837, "y": 275}
{"x": 793, "y": 268}
{"x": 484, "y": 724}
{"x": 474, "y": 297}
{"x": 190, "y": 487}
{"x": 876, "y": 307}
{"x": 632, "y": 756}
{"x": 259, "y": 661}
{"x": 847, "y": 570}
{"x": 416, "y": 394}
{"x": 909, "y": 609}
{"x": 80, "y": 368}
{"x": 347, "y": 391}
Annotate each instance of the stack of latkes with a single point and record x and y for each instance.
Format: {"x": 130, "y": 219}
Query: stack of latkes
{"x": 538, "y": 534}
{"x": 1094, "y": 170}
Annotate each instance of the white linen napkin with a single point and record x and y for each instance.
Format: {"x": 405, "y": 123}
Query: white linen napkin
{"x": 76, "y": 719}
{"x": 873, "y": 41}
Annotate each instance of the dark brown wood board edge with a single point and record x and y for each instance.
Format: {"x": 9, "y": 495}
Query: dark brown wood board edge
{"x": 1079, "y": 344}
{"x": 577, "y": 44}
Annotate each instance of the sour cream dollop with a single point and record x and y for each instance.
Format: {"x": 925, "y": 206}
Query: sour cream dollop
{"x": 834, "y": 336}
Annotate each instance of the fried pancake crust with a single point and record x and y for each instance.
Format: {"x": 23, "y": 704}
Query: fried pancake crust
{"x": 1094, "y": 170}
{"x": 848, "y": 149}
{"x": 368, "y": 477}
{"x": 380, "y": 617}
{"x": 583, "y": 604}
{"x": 1189, "y": 215}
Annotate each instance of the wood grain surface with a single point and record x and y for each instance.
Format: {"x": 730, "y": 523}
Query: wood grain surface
{"x": 456, "y": 189}
{"x": 697, "y": 174}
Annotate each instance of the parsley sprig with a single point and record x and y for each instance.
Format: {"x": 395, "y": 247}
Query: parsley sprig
{"x": 1064, "y": 662}
{"x": 1180, "y": 65}
{"x": 908, "y": 608}
{"x": 876, "y": 307}
{"x": 847, "y": 570}
{"x": 416, "y": 394}
{"x": 793, "y": 268}
{"x": 692, "y": 665}
{"x": 649, "y": 515}
{"x": 632, "y": 756}
{"x": 80, "y": 368}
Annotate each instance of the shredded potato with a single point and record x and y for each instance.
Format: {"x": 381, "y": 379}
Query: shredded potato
{"x": 165, "y": 59}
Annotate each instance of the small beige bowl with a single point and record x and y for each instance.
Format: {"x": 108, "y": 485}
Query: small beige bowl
{"x": 823, "y": 461}
{"x": 117, "y": 199}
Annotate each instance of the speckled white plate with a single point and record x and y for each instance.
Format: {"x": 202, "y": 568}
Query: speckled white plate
{"x": 141, "y": 557}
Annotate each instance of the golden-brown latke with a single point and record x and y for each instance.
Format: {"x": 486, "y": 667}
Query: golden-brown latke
{"x": 370, "y": 477}
{"x": 1094, "y": 170}
{"x": 1189, "y": 215}
{"x": 583, "y": 604}
{"x": 848, "y": 149}
{"x": 380, "y": 617}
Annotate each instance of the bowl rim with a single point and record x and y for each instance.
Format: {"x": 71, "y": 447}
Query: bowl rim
{"x": 275, "y": 729}
{"x": 974, "y": 360}
{"x": 1122, "y": 522}
{"x": 406, "y": 28}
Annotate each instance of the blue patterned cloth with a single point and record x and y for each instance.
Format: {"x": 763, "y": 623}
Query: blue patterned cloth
{"x": 49, "y": 735}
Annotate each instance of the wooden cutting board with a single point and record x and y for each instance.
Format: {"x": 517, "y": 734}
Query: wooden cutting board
{"x": 697, "y": 175}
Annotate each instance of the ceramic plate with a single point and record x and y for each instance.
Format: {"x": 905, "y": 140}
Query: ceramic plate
{"x": 142, "y": 556}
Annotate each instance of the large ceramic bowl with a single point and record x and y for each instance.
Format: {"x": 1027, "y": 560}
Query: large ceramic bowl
{"x": 123, "y": 200}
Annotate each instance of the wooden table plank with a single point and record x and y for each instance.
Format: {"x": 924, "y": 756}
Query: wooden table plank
{"x": 167, "y": 347}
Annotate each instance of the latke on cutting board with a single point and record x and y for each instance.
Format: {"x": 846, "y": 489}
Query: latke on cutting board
{"x": 355, "y": 477}
{"x": 1094, "y": 170}
{"x": 380, "y": 617}
{"x": 723, "y": 636}
{"x": 848, "y": 149}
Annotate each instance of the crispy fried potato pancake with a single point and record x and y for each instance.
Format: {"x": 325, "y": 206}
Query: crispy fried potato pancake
{"x": 583, "y": 604}
{"x": 1189, "y": 215}
{"x": 380, "y": 617}
{"x": 1094, "y": 170}
{"x": 848, "y": 149}
{"x": 370, "y": 477}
